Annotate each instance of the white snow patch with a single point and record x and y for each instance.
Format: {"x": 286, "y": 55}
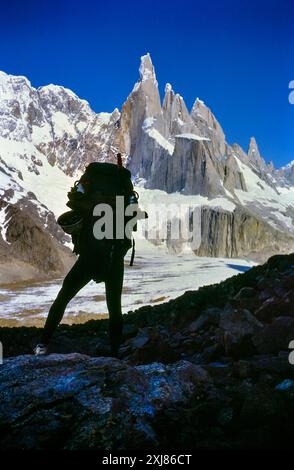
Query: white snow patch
{"x": 62, "y": 125}
{"x": 104, "y": 118}
{"x": 41, "y": 134}
{"x": 148, "y": 122}
{"x": 3, "y": 223}
{"x": 154, "y": 134}
{"x": 81, "y": 126}
{"x": 191, "y": 137}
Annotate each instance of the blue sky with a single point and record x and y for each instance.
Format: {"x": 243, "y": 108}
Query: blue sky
{"x": 236, "y": 56}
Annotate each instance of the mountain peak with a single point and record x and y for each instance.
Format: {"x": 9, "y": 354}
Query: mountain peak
{"x": 146, "y": 68}
{"x": 252, "y": 142}
{"x": 253, "y": 150}
{"x": 197, "y": 104}
{"x": 59, "y": 89}
{"x": 254, "y": 155}
{"x": 199, "y": 101}
{"x": 7, "y": 78}
{"x": 168, "y": 88}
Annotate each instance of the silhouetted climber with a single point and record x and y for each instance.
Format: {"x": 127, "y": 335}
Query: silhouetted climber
{"x": 99, "y": 259}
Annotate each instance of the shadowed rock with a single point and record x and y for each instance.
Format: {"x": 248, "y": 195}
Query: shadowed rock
{"x": 77, "y": 402}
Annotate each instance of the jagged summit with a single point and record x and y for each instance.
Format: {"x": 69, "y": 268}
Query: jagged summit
{"x": 198, "y": 102}
{"x": 253, "y": 147}
{"x": 168, "y": 88}
{"x": 253, "y": 150}
{"x": 254, "y": 156}
{"x": 52, "y": 88}
{"x": 289, "y": 165}
{"x": 14, "y": 78}
{"x": 146, "y": 68}
{"x": 147, "y": 83}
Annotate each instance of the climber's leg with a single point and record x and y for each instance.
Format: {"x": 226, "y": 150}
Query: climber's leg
{"x": 113, "y": 287}
{"x": 76, "y": 278}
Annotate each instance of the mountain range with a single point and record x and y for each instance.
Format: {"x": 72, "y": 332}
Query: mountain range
{"x": 48, "y": 135}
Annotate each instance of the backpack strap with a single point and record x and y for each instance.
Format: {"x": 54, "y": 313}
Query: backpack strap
{"x": 133, "y": 253}
{"x": 119, "y": 160}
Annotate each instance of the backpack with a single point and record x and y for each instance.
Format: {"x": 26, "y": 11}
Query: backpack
{"x": 100, "y": 183}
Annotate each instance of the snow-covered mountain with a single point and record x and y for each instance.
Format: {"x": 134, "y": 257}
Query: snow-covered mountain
{"x": 48, "y": 135}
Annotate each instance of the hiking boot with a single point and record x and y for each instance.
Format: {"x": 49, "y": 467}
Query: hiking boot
{"x": 41, "y": 350}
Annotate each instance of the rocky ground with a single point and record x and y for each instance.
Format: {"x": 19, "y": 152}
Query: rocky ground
{"x": 209, "y": 370}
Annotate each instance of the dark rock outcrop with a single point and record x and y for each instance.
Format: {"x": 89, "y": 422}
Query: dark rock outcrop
{"x": 91, "y": 403}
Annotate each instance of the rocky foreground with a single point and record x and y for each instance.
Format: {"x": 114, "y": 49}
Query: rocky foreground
{"x": 209, "y": 370}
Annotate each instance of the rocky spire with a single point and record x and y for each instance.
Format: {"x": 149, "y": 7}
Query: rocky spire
{"x": 209, "y": 126}
{"x": 143, "y": 103}
{"x": 270, "y": 166}
{"x": 204, "y": 118}
{"x": 254, "y": 156}
{"x": 168, "y": 96}
{"x": 147, "y": 86}
{"x": 199, "y": 110}
{"x": 239, "y": 152}
{"x": 147, "y": 83}
{"x": 146, "y": 69}
{"x": 253, "y": 149}
{"x": 175, "y": 112}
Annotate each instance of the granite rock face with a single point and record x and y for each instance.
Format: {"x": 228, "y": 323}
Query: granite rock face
{"x": 239, "y": 233}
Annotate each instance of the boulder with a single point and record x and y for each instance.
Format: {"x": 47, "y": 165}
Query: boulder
{"x": 77, "y": 402}
{"x": 270, "y": 308}
{"x": 236, "y": 328}
{"x": 209, "y": 317}
{"x": 274, "y": 337}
